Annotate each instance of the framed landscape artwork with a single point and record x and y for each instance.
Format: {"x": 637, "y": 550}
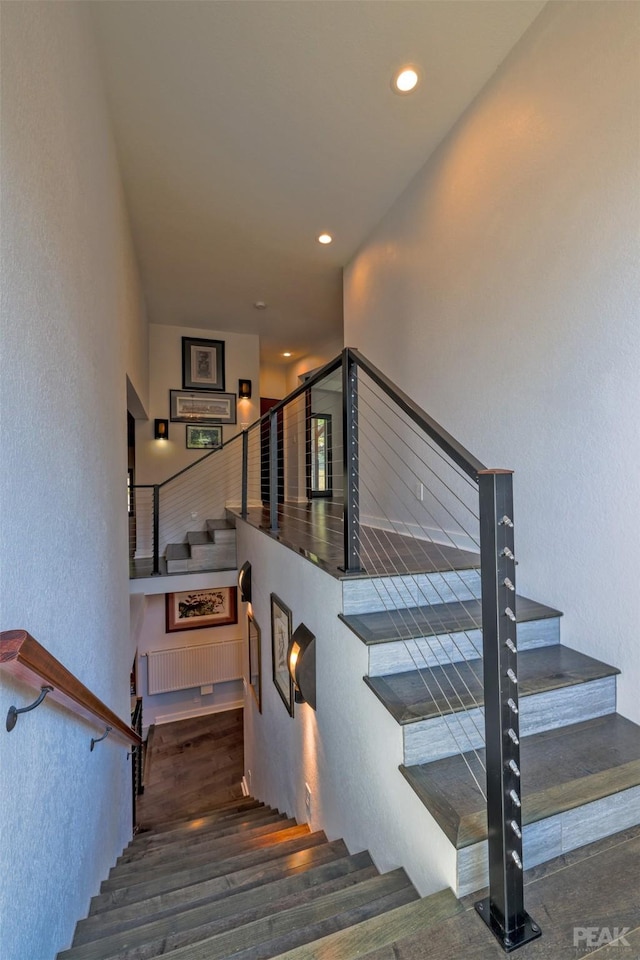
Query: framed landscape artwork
{"x": 255, "y": 661}
{"x": 195, "y": 609}
{"x": 202, "y": 408}
{"x": 202, "y": 364}
{"x": 203, "y": 438}
{"x": 280, "y": 636}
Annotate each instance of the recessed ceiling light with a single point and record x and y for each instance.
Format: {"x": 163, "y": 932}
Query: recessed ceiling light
{"x": 405, "y": 80}
{"x": 260, "y": 305}
{"x": 325, "y": 238}
{"x": 286, "y": 354}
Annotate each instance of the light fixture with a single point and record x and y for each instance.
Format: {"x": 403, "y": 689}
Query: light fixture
{"x": 287, "y": 353}
{"x": 405, "y": 80}
{"x": 244, "y": 582}
{"x": 244, "y": 389}
{"x": 325, "y": 238}
{"x": 260, "y": 305}
{"x": 301, "y": 659}
{"x": 161, "y": 430}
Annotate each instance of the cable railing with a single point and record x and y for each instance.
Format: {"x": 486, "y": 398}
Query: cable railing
{"x": 348, "y": 470}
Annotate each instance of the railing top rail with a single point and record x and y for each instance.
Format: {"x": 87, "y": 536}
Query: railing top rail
{"x": 24, "y": 658}
{"x": 195, "y": 463}
{"x": 459, "y": 454}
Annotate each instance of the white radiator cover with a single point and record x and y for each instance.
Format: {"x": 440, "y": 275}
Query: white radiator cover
{"x": 182, "y": 667}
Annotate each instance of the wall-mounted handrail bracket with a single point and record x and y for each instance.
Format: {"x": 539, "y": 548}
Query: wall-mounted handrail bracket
{"x": 12, "y": 715}
{"x": 94, "y": 740}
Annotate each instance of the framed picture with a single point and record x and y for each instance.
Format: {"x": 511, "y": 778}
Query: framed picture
{"x": 280, "y": 636}
{"x": 202, "y": 407}
{"x": 203, "y": 438}
{"x": 255, "y": 661}
{"x": 195, "y": 609}
{"x": 202, "y": 364}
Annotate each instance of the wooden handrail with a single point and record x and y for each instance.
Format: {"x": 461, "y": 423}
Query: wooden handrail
{"x": 24, "y": 658}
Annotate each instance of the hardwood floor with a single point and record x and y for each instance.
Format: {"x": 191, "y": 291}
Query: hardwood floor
{"x": 191, "y": 766}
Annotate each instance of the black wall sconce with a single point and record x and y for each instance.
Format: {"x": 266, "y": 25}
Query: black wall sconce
{"x": 244, "y": 389}
{"x": 244, "y": 582}
{"x": 161, "y": 430}
{"x": 301, "y": 658}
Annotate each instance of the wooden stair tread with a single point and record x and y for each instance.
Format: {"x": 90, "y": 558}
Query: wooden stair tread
{"x": 563, "y": 769}
{"x": 413, "y": 918}
{"x": 223, "y": 848}
{"x": 220, "y": 811}
{"x": 204, "y": 921}
{"x": 177, "y": 551}
{"x": 418, "y": 695}
{"x": 212, "y": 891}
{"x": 272, "y": 846}
{"x": 194, "y": 825}
{"x": 299, "y": 920}
{"x": 429, "y": 621}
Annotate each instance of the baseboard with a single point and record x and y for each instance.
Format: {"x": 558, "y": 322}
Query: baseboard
{"x": 199, "y": 712}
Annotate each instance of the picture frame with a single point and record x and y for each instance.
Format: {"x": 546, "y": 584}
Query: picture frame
{"x": 280, "y": 637}
{"x": 255, "y": 660}
{"x": 203, "y": 437}
{"x": 188, "y": 407}
{"x": 202, "y": 364}
{"x": 197, "y": 609}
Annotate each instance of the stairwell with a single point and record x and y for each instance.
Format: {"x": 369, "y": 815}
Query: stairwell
{"x": 213, "y": 548}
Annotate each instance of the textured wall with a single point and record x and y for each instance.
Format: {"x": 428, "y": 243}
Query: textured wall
{"x": 72, "y": 327}
{"x": 348, "y": 751}
{"x": 502, "y": 291}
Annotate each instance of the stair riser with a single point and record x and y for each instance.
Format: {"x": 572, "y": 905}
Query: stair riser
{"x": 211, "y": 551}
{"x": 441, "y": 737}
{"x": 368, "y": 595}
{"x": 554, "y": 836}
{"x": 398, "y": 656}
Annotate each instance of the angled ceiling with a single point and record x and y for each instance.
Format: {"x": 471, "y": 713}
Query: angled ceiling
{"x": 247, "y": 127}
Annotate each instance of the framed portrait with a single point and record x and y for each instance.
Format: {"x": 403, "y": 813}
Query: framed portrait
{"x": 255, "y": 661}
{"x": 202, "y": 364}
{"x": 195, "y": 609}
{"x": 280, "y": 636}
{"x": 203, "y": 438}
{"x": 202, "y": 408}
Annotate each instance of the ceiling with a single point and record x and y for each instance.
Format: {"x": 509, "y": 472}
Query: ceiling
{"x": 247, "y": 127}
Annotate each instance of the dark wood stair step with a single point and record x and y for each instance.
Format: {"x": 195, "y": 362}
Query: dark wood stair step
{"x": 416, "y": 918}
{"x": 268, "y": 848}
{"x": 303, "y": 921}
{"x": 561, "y": 770}
{"x": 195, "y": 825}
{"x": 223, "y": 847}
{"x": 435, "y": 691}
{"x": 174, "y": 845}
{"x": 190, "y": 926}
{"x": 212, "y": 891}
{"x": 430, "y": 621}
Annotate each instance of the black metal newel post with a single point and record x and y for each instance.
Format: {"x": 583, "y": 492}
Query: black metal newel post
{"x": 273, "y": 471}
{"x": 503, "y": 910}
{"x": 156, "y": 530}
{"x": 245, "y": 472}
{"x": 351, "y": 526}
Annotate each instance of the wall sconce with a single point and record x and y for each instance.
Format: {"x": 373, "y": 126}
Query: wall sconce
{"x": 244, "y": 389}
{"x": 161, "y": 430}
{"x": 244, "y": 582}
{"x": 301, "y": 658}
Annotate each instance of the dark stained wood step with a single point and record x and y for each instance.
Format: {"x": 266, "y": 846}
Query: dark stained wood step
{"x": 429, "y": 621}
{"x": 435, "y": 691}
{"x": 190, "y": 926}
{"x": 196, "y": 825}
{"x": 561, "y": 770}
{"x": 302, "y": 921}
{"x": 598, "y": 891}
{"x": 174, "y": 847}
{"x": 210, "y": 891}
{"x": 415, "y": 918}
{"x": 269, "y": 847}
{"x": 222, "y": 848}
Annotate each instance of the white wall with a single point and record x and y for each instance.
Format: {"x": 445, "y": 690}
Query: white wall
{"x": 348, "y": 751}
{"x": 501, "y": 291}
{"x": 72, "y": 328}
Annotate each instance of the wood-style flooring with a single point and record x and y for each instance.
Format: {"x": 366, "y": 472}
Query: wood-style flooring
{"x": 191, "y": 766}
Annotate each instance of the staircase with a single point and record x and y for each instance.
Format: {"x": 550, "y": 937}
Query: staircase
{"x": 244, "y": 881}
{"x": 213, "y": 548}
{"x": 580, "y": 759}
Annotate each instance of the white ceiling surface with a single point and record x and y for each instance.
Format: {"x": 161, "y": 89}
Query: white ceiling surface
{"x": 247, "y": 127}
